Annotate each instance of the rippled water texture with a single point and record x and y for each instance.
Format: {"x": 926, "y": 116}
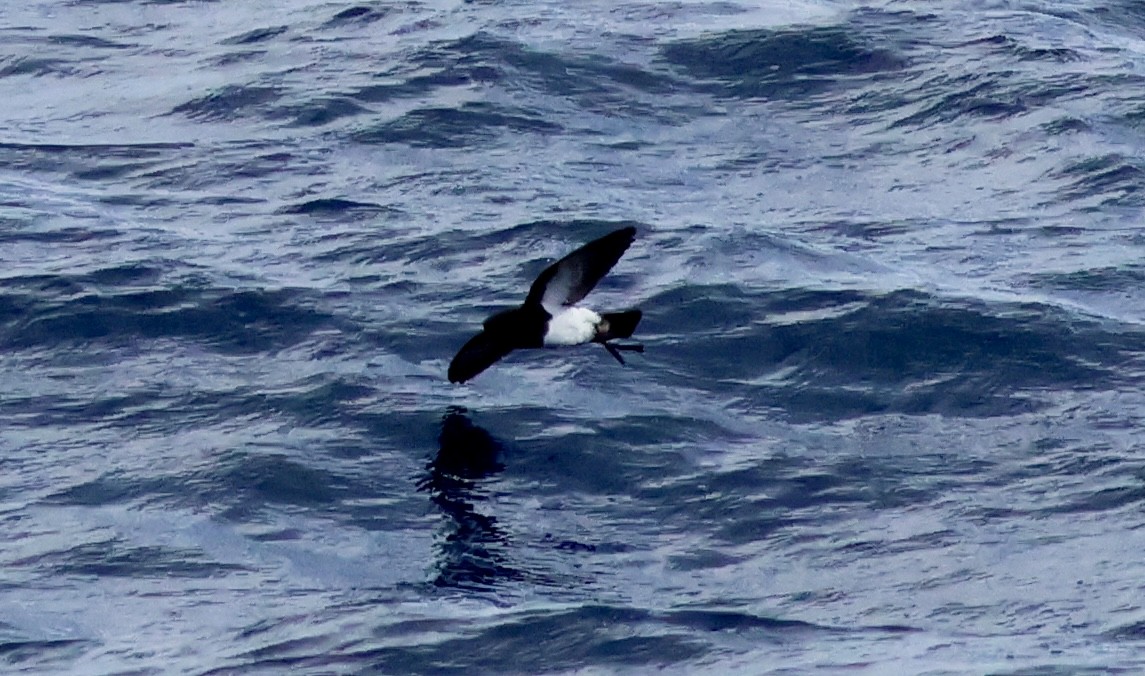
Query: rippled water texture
{"x": 889, "y": 416}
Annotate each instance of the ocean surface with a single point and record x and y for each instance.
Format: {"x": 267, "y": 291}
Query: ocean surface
{"x": 890, "y": 418}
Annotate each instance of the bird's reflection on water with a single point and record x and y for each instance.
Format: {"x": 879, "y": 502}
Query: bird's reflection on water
{"x": 471, "y": 552}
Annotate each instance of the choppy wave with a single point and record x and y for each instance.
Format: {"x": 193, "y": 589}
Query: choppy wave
{"x": 888, "y": 415}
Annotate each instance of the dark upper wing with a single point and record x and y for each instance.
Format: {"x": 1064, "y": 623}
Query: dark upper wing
{"x": 572, "y": 277}
{"x": 478, "y": 354}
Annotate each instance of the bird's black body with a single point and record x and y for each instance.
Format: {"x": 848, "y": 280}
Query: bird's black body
{"x": 559, "y": 287}
{"x": 522, "y": 327}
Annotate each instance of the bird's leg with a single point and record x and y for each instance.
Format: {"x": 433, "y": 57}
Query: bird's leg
{"x": 614, "y": 350}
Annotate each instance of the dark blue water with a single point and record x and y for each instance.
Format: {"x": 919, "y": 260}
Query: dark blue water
{"x": 889, "y": 417}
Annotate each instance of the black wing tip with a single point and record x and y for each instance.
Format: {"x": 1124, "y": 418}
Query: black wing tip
{"x": 477, "y": 354}
{"x": 454, "y": 374}
{"x": 461, "y": 370}
{"x": 627, "y": 232}
{"x": 622, "y": 236}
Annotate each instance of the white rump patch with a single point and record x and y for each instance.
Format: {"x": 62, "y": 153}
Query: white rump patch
{"x": 572, "y": 326}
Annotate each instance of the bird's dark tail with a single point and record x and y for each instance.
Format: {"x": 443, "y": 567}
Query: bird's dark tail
{"x": 618, "y": 325}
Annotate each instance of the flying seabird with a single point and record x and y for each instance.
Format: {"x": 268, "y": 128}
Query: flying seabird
{"x": 550, "y": 317}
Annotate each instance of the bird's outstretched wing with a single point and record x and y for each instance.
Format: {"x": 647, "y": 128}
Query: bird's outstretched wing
{"x": 572, "y": 277}
{"x": 477, "y": 354}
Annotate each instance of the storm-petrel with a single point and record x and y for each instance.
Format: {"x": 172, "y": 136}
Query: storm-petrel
{"x": 549, "y": 316}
